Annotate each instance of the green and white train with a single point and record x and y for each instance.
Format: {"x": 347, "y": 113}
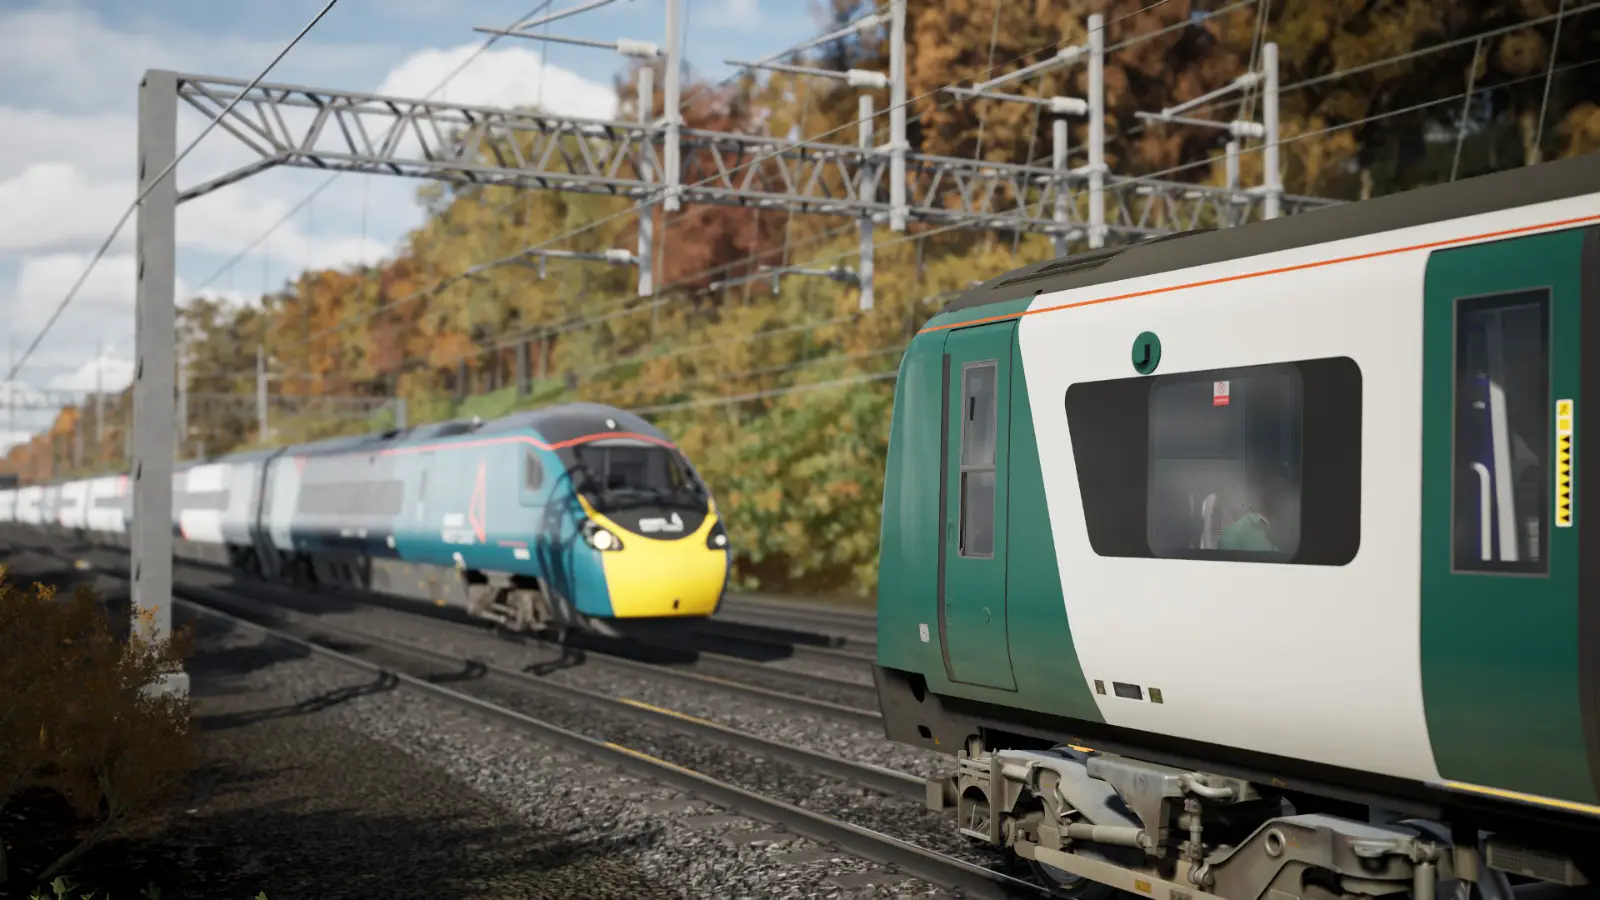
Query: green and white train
{"x": 1250, "y": 563}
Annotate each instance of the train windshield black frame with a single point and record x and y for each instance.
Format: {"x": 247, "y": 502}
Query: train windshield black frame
{"x": 617, "y": 476}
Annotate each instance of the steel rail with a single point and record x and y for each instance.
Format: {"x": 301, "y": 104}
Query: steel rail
{"x": 796, "y": 631}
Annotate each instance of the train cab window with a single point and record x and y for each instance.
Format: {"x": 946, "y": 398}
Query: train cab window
{"x": 1257, "y": 464}
{"x": 1502, "y": 433}
{"x": 978, "y": 459}
{"x": 532, "y": 471}
{"x": 615, "y": 475}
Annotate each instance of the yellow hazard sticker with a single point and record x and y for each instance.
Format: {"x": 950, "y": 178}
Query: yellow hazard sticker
{"x": 1563, "y": 463}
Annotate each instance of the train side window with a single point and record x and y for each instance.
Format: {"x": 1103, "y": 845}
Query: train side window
{"x": 978, "y": 382}
{"x": 1502, "y": 427}
{"x": 532, "y": 471}
{"x": 1224, "y": 468}
{"x": 1254, "y": 464}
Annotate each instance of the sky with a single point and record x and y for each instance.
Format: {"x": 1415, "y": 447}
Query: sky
{"x": 69, "y": 80}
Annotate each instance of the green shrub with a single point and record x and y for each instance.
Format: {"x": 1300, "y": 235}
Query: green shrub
{"x": 77, "y": 716}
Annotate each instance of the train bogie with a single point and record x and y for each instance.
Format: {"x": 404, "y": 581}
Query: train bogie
{"x": 1289, "y": 508}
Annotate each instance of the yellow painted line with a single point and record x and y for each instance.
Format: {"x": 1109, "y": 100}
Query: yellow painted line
{"x": 652, "y": 759}
{"x": 666, "y": 712}
{"x": 1534, "y": 799}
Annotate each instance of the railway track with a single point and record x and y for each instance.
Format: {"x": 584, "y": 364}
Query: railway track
{"x": 850, "y": 634}
{"x": 768, "y": 606}
{"x": 804, "y": 691}
{"x": 817, "y": 693}
{"x": 809, "y": 690}
{"x": 867, "y": 812}
{"x": 613, "y": 756}
{"x": 715, "y": 635}
{"x": 885, "y": 781}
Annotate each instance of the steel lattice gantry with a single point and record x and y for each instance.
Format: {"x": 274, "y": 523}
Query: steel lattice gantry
{"x": 285, "y": 125}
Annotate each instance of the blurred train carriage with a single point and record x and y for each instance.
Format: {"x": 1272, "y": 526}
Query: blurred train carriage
{"x": 574, "y": 516}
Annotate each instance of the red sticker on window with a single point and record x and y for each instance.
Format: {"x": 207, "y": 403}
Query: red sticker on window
{"x": 1219, "y": 393}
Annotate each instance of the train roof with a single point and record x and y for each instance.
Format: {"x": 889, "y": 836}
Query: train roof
{"x": 567, "y": 421}
{"x": 241, "y": 456}
{"x": 554, "y": 424}
{"x": 1409, "y": 209}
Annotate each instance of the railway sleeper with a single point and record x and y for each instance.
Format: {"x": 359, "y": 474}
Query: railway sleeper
{"x": 1089, "y": 823}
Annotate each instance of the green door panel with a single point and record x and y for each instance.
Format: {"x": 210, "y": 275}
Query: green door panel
{"x": 1044, "y": 662}
{"x": 976, "y": 377}
{"x": 908, "y": 555}
{"x": 1499, "y": 589}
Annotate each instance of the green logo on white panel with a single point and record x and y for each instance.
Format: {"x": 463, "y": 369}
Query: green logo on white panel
{"x": 1146, "y": 352}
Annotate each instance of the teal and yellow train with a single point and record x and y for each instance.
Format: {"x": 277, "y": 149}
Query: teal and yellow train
{"x": 579, "y": 516}
{"x": 1252, "y": 562}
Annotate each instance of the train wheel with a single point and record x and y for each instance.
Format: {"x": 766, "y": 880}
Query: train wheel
{"x": 1061, "y": 883}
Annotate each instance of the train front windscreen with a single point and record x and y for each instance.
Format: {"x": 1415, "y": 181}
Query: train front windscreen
{"x": 631, "y": 484}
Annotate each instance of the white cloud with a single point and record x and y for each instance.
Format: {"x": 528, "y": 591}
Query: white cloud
{"x": 101, "y": 144}
{"x": 105, "y": 298}
{"x": 12, "y": 437}
{"x": 54, "y": 206}
{"x": 501, "y": 77}
{"x": 106, "y": 372}
{"x": 66, "y": 58}
{"x": 741, "y": 12}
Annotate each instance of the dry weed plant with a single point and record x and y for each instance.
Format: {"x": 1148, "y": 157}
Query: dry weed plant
{"x": 78, "y": 715}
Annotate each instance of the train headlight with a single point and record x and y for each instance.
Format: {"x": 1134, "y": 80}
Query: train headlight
{"x": 718, "y": 538}
{"x": 599, "y": 538}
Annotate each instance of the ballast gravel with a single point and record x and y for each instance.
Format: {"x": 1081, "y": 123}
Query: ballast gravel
{"x": 820, "y": 793}
{"x": 848, "y": 739}
{"x": 581, "y": 836}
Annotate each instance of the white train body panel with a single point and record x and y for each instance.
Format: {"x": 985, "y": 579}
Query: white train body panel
{"x": 241, "y": 481}
{"x": 202, "y": 488}
{"x": 74, "y": 504}
{"x": 282, "y": 492}
{"x": 28, "y": 502}
{"x": 1296, "y": 695}
{"x": 107, "y": 497}
{"x": 50, "y": 504}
